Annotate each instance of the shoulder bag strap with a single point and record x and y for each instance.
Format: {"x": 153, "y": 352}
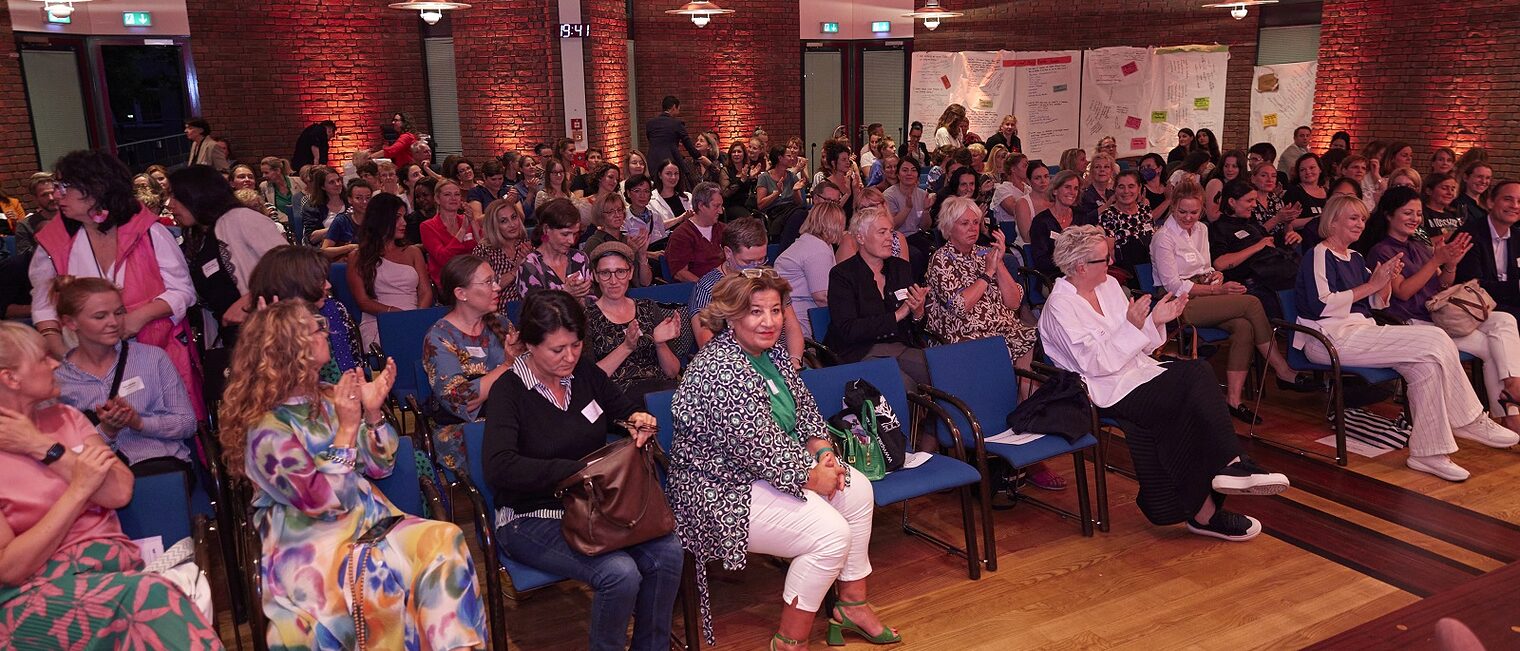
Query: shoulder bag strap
{"x": 121, "y": 367}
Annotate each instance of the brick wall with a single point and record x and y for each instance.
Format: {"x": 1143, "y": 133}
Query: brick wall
{"x": 268, "y": 68}
{"x": 1433, "y": 74}
{"x": 18, "y": 159}
{"x": 741, "y": 71}
{"x": 508, "y": 64}
{"x": 1091, "y": 24}
{"x": 607, "y": 109}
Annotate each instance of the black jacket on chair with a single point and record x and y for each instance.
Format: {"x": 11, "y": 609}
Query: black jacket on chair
{"x": 860, "y": 317}
{"x": 666, "y": 136}
{"x": 1479, "y": 264}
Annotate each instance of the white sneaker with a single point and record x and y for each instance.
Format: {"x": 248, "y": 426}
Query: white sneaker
{"x": 1486, "y": 431}
{"x": 1439, "y": 465}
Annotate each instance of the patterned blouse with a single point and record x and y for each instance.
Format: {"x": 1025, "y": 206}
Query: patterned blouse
{"x": 643, "y": 364}
{"x": 504, "y": 262}
{"x": 1131, "y": 232}
{"x": 536, "y": 274}
{"x": 1265, "y": 210}
{"x": 725, "y": 440}
{"x": 950, "y": 319}
{"x": 343, "y": 338}
{"x": 454, "y": 363}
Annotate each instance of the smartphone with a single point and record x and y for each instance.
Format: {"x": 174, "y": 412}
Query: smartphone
{"x": 381, "y": 528}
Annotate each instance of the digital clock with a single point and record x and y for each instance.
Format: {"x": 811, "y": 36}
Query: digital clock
{"x": 574, "y": 30}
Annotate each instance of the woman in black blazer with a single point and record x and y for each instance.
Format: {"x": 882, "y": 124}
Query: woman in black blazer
{"x": 875, "y": 310}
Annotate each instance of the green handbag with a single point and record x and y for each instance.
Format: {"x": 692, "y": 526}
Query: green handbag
{"x": 857, "y": 441}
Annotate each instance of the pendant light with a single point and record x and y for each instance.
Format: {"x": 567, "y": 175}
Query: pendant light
{"x": 431, "y": 10}
{"x": 701, "y": 11}
{"x": 932, "y": 13}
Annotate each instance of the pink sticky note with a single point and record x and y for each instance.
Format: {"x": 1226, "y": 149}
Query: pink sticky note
{"x": 1137, "y": 143}
{"x": 1130, "y": 68}
{"x": 1132, "y": 122}
{"x": 944, "y": 80}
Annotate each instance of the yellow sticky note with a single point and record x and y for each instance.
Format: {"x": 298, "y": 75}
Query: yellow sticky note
{"x": 1269, "y": 120}
{"x": 1201, "y": 103}
{"x": 1158, "y": 116}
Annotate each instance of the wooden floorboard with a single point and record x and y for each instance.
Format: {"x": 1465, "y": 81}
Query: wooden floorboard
{"x": 1489, "y": 605}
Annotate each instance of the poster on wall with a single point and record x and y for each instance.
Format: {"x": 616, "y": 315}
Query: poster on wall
{"x": 1046, "y": 101}
{"x": 1189, "y": 92}
{"x": 975, "y": 80}
{"x": 931, "y": 87}
{"x": 1116, "y": 98}
{"x": 1282, "y": 99}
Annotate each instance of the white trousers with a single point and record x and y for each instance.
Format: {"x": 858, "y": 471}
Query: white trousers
{"x": 1497, "y": 343}
{"x": 1440, "y": 397}
{"x": 826, "y": 538}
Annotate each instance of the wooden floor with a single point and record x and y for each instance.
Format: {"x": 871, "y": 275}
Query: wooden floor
{"x": 1366, "y": 556}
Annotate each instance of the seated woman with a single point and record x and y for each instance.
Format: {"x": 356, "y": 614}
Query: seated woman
{"x": 1246, "y": 253}
{"x": 553, "y": 408}
{"x": 1336, "y": 295}
{"x": 1274, "y": 216}
{"x": 342, "y": 237}
{"x": 131, "y": 392}
{"x": 1181, "y": 264}
{"x": 609, "y": 216}
{"x": 292, "y": 271}
{"x": 867, "y": 199}
{"x": 556, "y": 263}
{"x": 757, "y": 475}
{"x": 1427, "y": 270}
{"x": 806, "y": 263}
{"x": 465, "y": 352}
{"x": 1186, "y": 459}
{"x": 309, "y": 452}
{"x": 384, "y": 274}
{"x": 635, "y": 342}
{"x": 1063, "y": 191}
{"x": 1127, "y": 220}
{"x": 971, "y": 293}
{"x": 876, "y": 310}
{"x": 449, "y": 233}
{"x": 324, "y": 202}
{"x": 63, "y": 556}
{"x": 504, "y": 245}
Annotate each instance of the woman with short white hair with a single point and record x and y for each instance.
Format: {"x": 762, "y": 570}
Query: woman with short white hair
{"x": 972, "y": 294}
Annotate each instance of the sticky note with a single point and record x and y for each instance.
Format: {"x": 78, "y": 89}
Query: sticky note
{"x": 1130, "y": 68}
{"x": 944, "y": 80}
{"x": 1269, "y": 120}
{"x": 1201, "y": 103}
{"x": 1158, "y": 116}
{"x": 1137, "y": 143}
{"x": 984, "y": 104}
{"x": 1132, "y": 122}
{"x": 1058, "y": 88}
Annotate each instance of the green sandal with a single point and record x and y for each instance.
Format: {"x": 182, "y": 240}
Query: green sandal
{"x": 778, "y": 637}
{"x": 837, "y": 627}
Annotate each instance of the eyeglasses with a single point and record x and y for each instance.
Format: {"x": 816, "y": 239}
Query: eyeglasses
{"x": 612, "y": 211}
{"x": 1105, "y": 262}
{"x": 609, "y": 274}
{"x": 758, "y": 272}
{"x": 321, "y": 326}
{"x": 61, "y": 187}
{"x": 493, "y": 280}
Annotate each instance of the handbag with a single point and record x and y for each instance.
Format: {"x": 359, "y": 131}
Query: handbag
{"x": 860, "y": 394}
{"x": 1461, "y": 308}
{"x": 855, "y": 441}
{"x": 616, "y": 500}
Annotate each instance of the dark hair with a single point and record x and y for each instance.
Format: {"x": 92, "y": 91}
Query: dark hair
{"x": 1194, "y": 161}
{"x": 1343, "y": 137}
{"x": 101, "y": 177}
{"x": 289, "y": 271}
{"x": 348, "y": 192}
{"x": 377, "y": 231}
{"x": 1314, "y": 157}
{"x": 1153, "y": 156}
{"x": 1213, "y": 147}
{"x": 598, "y": 174}
{"x": 1302, "y": 127}
{"x": 669, "y": 102}
{"x": 773, "y": 157}
{"x": 492, "y": 167}
{"x": 1233, "y": 191}
{"x": 204, "y": 192}
{"x": 1186, "y": 130}
{"x": 368, "y": 167}
{"x": 1434, "y": 179}
{"x": 547, "y": 310}
{"x": 831, "y": 151}
{"x": 916, "y": 125}
{"x": 1387, "y": 166}
{"x": 405, "y": 171}
{"x": 948, "y": 189}
{"x": 1133, "y": 172}
{"x": 918, "y": 167}
{"x": 1377, "y": 223}
{"x": 743, "y": 233}
{"x": 1348, "y": 180}
{"x": 635, "y": 181}
{"x": 201, "y": 124}
{"x": 451, "y": 166}
{"x": 540, "y": 146}
{"x": 1265, "y": 150}
{"x": 318, "y": 185}
{"x": 1331, "y": 160}
{"x": 334, "y": 125}
{"x": 556, "y": 213}
{"x": 659, "y": 177}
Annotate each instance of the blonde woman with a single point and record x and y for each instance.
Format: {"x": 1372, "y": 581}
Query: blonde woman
{"x": 504, "y": 245}
{"x": 806, "y": 263}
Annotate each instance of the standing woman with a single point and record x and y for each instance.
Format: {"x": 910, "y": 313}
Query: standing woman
{"x": 504, "y": 245}
{"x": 556, "y": 263}
{"x": 449, "y": 233}
{"x": 122, "y": 242}
{"x": 1232, "y": 167}
{"x": 1060, "y": 214}
{"x": 384, "y": 274}
{"x": 310, "y": 452}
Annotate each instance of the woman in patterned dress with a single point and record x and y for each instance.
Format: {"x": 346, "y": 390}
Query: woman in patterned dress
{"x": 69, "y": 578}
{"x": 972, "y": 295}
{"x": 556, "y": 263}
{"x": 1128, "y": 222}
{"x": 304, "y": 446}
{"x": 504, "y": 244}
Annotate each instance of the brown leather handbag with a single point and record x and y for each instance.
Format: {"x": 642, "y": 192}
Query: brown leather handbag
{"x": 615, "y": 501}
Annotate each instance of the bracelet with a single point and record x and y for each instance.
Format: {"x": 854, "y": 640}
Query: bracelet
{"x": 342, "y": 456}
{"x": 818, "y": 456}
{"x": 990, "y": 280}
{"x": 50, "y": 330}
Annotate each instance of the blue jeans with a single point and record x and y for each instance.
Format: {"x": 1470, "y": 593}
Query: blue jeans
{"x": 639, "y": 581}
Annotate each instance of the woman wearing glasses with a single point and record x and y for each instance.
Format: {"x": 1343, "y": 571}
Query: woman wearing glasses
{"x": 637, "y": 343}
{"x": 609, "y": 215}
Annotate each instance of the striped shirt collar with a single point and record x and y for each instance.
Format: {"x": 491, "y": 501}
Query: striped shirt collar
{"x": 524, "y": 373}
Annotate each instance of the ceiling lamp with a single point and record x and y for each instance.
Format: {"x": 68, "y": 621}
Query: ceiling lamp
{"x": 60, "y": 9}
{"x": 1238, "y": 8}
{"x": 701, "y": 11}
{"x": 431, "y": 10}
{"x": 931, "y": 12}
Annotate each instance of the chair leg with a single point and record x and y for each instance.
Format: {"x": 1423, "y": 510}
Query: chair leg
{"x": 968, "y": 522}
{"x": 1338, "y": 402}
{"x": 1100, "y": 479}
{"x": 989, "y": 535}
{"x": 692, "y": 615}
{"x": 496, "y": 615}
{"x": 1084, "y": 503}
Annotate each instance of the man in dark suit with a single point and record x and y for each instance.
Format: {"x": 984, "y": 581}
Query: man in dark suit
{"x": 666, "y": 134}
{"x": 1482, "y": 261}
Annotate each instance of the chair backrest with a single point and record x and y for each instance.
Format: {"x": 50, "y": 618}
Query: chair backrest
{"x": 1033, "y": 291}
{"x": 772, "y": 251}
{"x": 401, "y": 336}
{"x": 827, "y": 385}
{"x": 424, "y": 388}
{"x": 337, "y": 276}
{"x": 474, "y": 435}
{"x": 160, "y": 506}
{"x": 665, "y": 271}
{"x": 404, "y": 485}
{"x": 1010, "y": 231}
{"x": 1143, "y": 275}
{"x": 1289, "y": 302}
{"x": 980, "y": 373}
{"x": 819, "y": 318}
{"x": 658, "y": 404}
{"x": 514, "y": 312}
{"x": 10, "y": 245}
{"x": 668, "y": 293}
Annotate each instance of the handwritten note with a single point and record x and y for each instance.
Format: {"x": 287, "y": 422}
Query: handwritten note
{"x": 1132, "y": 122}
{"x": 1269, "y": 120}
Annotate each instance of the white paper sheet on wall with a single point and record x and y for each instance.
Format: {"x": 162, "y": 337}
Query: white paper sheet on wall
{"x": 1282, "y": 99}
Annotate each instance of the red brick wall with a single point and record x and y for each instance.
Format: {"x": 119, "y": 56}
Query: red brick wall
{"x": 1433, "y": 74}
{"x": 18, "y": 159}
{"x": 268, "y": 68}
{"x": 1091, "y": 24}
{"x": 741, "y": 71}
{"x": 508, "y": 65}
{"x": 607, "y": 77}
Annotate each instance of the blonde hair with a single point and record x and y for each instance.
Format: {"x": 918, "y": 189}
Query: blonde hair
{"x": 952, "y": 210}
{"x": 18, "y": 344}
{"x": 1338, "y": 206}
{"x": 272, "y": 362}
{"x": 1409, "y": 172}
{"x": 865, "y": 219}
{"x": 733, "y": 295}
{"x": 1074, "y": 244}
{"x": 602, "y": 202}
{"x": 490, "y": 231}
{"x": 70, "y": 292}
{"x": 276, "y": 163}
{"x": 1187, "y": 188}
{"x": 825, "y": 222}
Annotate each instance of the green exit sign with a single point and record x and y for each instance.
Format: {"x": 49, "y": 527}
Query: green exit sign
{"x": 137, "y": 18}
{"x": 830, "y": 28}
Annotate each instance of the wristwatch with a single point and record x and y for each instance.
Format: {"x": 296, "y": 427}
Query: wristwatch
{"x": 53, "y": 454}
{"x": 990, "y": 280}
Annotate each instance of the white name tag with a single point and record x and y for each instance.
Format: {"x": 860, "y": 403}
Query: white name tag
{"x": 771, "y": 384}
{"x": 592, "y": 411}
{"x": 468, "y": 237}
{"x": 475, "y": 351}
{"x": 210, "y": 268}
{"x": 1190, "y": 257}
{"x": 901, "y": 294}
{"x": 131, "y": 386}
{"x": 1240, "y": 235}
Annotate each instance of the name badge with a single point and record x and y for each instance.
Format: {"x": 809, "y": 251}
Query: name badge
{"x": 1190, "y": 257}
{"x": 475, "y": 351}
{"x": 901, "y": 294}
{"x": 468, "y": 237}
{"x": 592, "y": 411}
{"x": 210, "y": 268}
{"x": 1241, "y": 234}
{"x": 771, "y": 384}
{"x": 131, "y": 386}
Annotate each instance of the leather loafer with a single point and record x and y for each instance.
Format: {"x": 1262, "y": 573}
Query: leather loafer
{"x": 1300, "y": 384}
{"x": 1244, "y": 414}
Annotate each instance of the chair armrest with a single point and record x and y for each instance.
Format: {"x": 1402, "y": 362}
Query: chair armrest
{"x": 933, "y": 394}
{"x": 1335, "y": 358}
{"x": 482, "y": 516}
{"x": 924, "y": 401}
{"x": 1042, "y": 368}
{"x": 1030, "y": 374}
{"x": 1045, "y": 281}
{"x": 821, "y": 355}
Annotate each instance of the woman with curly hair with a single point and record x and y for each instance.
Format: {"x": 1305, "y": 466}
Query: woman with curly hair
{"x": 309, "y": 450}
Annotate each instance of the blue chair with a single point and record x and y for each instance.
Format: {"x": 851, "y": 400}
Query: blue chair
{"x": 980, "y": 386}
{"x": 665, "y": 271}
{"x": 772, "y": 251}
{"x": 1010, "y": 231}
{"x": 337, "y": 276}
{"x": 160, "y": 506}
{"x": 941, "y": 472}
{"x": 678, "y": 293}
{"x": 1197, "y": 334}
{"x": 10, "y": 245}
{"x": 401, "y": 336}
{"x": 819, "y": 318}
{"x": 514, "y": 311}
{"x": 405, "y": 488}
{"x": 1034, "y": 281}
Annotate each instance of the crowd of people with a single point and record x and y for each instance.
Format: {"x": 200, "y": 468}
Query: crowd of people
{"x": 535, "y": 253}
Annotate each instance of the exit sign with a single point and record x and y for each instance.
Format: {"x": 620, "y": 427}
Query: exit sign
{"x": 58, "y": 20}
{"x": 137, "y": 18}
{"x": 881, "y": 26}
{"x": 830, "y": 28}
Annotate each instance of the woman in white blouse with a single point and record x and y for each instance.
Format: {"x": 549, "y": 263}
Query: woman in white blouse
{"x": 1186, "y": 459}
{"x": 1180, "y": 263}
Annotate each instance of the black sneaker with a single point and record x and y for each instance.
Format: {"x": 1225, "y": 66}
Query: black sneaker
{"x": 1227, "y": 525}
{"x": 1245, "y": 415}
{"x": 1244, "y": 477}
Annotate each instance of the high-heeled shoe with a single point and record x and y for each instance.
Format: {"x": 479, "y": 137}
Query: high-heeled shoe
{"x": 837, "y": 627}
{"x": 778, "y": 637}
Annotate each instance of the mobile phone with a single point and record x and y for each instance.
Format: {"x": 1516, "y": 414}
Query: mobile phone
{"x": 381, "y": 528}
